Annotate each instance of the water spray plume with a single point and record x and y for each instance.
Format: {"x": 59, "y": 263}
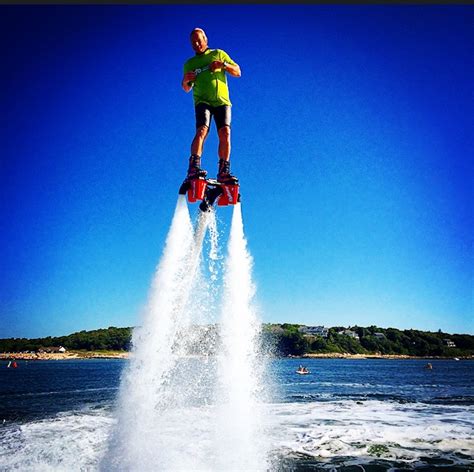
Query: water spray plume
{"x": 146, "y": 391}
{"x": 241, "y": 364}
{"x": 180, "y": 405}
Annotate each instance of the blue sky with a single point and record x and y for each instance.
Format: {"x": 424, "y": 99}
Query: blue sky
{"x": 350, "y": 138}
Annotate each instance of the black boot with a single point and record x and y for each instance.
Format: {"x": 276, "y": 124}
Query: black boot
{"x": 194, "y": 169}
{"x": 224, "y": 176}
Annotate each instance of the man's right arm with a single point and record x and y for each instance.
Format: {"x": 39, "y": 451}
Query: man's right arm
{"x": 188, "y": 81}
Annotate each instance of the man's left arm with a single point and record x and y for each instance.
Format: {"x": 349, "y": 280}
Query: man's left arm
{"x": 232, "y": 69}
{"x": 227, "y": 64}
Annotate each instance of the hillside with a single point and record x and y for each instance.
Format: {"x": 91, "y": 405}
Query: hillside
{"x": 281, "y": 339}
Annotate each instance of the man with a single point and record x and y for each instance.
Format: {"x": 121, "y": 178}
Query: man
{"x": 205, "y": 73}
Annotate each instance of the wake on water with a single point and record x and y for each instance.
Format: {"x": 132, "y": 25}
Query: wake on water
{"x": 191, "y": 395}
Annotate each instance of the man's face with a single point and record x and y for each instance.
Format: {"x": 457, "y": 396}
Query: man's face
{"x": 198, "y": 42}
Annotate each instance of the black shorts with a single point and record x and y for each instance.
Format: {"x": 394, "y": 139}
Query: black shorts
{"x": 222, "y": 115}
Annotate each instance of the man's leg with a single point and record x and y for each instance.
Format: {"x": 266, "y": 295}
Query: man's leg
{"x": 224, "y": 174}
{"x": 203, "y": 120}
{"x": 198, "y": 141}
{"x": 194, "y": 168}
{"x": 224, "y": 143}
{"x": 222, "y": 117}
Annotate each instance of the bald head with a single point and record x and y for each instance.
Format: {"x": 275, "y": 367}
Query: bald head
{"x": 198, "y": 40}
{"x": 196, "y": 30}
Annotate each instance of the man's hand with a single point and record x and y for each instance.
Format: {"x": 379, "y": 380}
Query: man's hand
{"x": 216, "y": 65}
{"x": 189, "y": 77}
{"x": 188, "y": 80}
{"x": 231, "y": 69}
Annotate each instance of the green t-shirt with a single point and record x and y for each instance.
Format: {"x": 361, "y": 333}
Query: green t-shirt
{"x": 209, "y": 87}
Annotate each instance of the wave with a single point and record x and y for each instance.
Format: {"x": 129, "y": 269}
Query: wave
{"x": 311, "y": 435}
{"x": 453, "y": 400}
{"x": 57, "y": 392}
{"x": 68, "y": 442}
{"x": 365, "y": 431}
{"x": 464, "y": 400}
{"x": 305, "y": 397}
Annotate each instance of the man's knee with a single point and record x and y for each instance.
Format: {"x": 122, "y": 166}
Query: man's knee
{"x": 201, "y": 132}
{"x": 224, "y": 133}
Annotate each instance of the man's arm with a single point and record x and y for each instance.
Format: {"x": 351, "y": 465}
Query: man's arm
{"x": 232, "y": 69}
{"x": 188, "y": 81}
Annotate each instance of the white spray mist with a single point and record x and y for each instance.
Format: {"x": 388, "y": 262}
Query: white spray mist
{"x": 188, "y": 402}
{"x": 157, "y": 384}
{"x": 240, "y": 440}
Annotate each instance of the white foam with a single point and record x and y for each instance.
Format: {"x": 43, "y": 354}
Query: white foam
{"x": 68, "y": 442}
{"x": 324, "y": 430}
{"x": 349, "y": 428}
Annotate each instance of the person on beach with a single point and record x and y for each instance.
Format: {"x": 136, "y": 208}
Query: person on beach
{"x": 205, "y": 74}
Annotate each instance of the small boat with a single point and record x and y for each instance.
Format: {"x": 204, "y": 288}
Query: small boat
{"x": 302, "y": 370}
{"x": 456, "y": 358}
{"x": 429, "y": 366}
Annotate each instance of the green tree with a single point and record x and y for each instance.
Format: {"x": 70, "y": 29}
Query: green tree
{"x": 291, "y": 342}
{"x": 319, "y": 344}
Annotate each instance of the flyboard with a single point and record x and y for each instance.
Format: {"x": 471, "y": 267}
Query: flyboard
{"x": 210, "y": 191}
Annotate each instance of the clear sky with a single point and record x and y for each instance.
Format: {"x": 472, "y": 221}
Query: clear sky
{"x": 352, "y": 138}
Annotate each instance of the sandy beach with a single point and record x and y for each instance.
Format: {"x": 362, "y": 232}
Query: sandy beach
{"x": 58, "y": 356}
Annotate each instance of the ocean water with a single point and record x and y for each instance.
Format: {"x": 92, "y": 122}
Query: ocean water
{"x": 346, "y": 415}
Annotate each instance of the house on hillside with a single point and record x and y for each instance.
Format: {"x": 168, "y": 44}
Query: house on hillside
{"x": 350, "y": 333}
{"x": 314, "y": 331}
{"x": 449, "y": 343}
{"x": 54, "y": 349}
{"x": 379, "y": 336}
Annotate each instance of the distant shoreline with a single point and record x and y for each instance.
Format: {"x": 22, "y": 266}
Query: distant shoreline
{"x": 60, "y": 356}
{"x": 75, "y": 355}
{"x": 336, "y": 355}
